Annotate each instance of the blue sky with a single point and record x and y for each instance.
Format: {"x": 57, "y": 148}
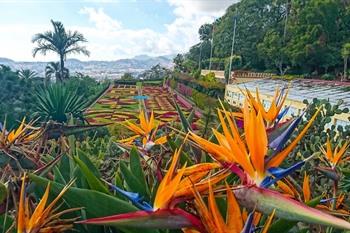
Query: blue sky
{"x": 114, "y": 28}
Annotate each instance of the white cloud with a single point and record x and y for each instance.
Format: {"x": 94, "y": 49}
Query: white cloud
{"x": 188, "y": 8}
{"x": 100, "y": 19}
{"x": 108, "y": 39}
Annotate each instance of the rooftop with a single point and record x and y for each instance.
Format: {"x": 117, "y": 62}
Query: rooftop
{"x": 303, "y": 89}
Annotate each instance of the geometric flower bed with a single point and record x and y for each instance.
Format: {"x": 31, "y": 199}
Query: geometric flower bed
{"x": 120, "y": 103}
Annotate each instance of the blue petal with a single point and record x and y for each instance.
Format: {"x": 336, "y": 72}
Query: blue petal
{"x": 279, "y": 173}
{"x": 278, "y": 143}
{"x": 279, "y": 99}
{"x": 323, "y": 201}
{"x": 248, "y": 226}
{"x": 281, "y": 115}
{"x": 135, "y": 198}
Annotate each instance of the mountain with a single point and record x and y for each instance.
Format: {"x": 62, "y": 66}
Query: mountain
{"x": 98, "y": 69}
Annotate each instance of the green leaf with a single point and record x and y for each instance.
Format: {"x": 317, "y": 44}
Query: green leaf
{"x": 95, "y": 204}
{"x": 92, "y": 180}
{"x": 85, "y": 158}
{"x": 3, "y": 192}
{"x": 132, "y": 181}
{"x": 185, "y": 124}
{"x": 136, "y": 168}
{"x": 185, "y": 157}
{"x": 5, "y": 222}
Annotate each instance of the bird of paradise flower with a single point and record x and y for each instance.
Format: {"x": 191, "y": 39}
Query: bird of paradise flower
{"x": 146, "y": 133}
{"x": 44, "y": 218}
{"x": 164, "y": 212}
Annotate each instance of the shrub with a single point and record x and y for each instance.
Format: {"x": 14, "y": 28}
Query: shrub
{"x": 328, "y": 77}
{"x": 210, "y": 77}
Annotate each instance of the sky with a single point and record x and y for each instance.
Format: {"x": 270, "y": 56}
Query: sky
{"x": 115, "y": 29}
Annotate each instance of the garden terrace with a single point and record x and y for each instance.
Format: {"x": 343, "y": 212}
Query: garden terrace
{"x": 212, "y": 89}
{"x": 123, "y": 102}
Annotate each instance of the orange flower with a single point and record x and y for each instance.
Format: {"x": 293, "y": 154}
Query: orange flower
{"x": 277, "y": 102}
{"x": 44, "y": 218}
{"x": 334, "y": 157}
{"x": 23, "y": 134}
{"x": 169, "y": 184}
{"x": 306, "y": 188}
{"x": 249, "y": 151}
{"x": 146, "y": 131}
{"x": 212, "y": 218}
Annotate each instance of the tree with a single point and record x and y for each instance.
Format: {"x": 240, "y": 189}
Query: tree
{"x": 205, "y": 32}
{"x": 178, "y": 61}
{"x": 52, "y": 69}
{"x": 345, "y": 54}
{"x": 61, "y": 42}
{"x": 127, "y": 76}
{"x": 317, "y": 28}
{"x": 273, "y": 51}
{"x": 27, "y": 74}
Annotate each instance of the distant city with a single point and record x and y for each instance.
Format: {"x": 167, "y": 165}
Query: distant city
{"x": 99, "y": 69}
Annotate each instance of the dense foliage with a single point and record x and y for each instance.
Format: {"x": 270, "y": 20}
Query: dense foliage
{"x": 18, "y": 94}
{"x": 298, "y": 37}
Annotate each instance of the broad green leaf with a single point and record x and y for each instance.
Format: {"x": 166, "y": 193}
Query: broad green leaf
{"x": 132, "y": 181}
{"x": 185, "y": 124}
{"x": 5, "y": 222}
{"x": 185, "y": 157}
{"x": 92, "y": 180}
{"x": 95, "y": 204}
{"x": 136, "y": 168}
{"x": 85, "y": 158}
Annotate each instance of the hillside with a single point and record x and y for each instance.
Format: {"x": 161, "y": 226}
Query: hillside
{"x": 310, "y": 38}
{"x": 98, "y": 69}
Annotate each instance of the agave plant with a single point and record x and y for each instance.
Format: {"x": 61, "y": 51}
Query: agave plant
{"x": 57, "y": 103}
{"x": 27, "y": 74}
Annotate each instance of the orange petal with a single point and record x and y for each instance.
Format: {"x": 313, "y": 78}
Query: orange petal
{"x": 203, "y": 211}
{"x": 329, "y": 153}
{"x": 268, "y": 222}
{"x": 201, "y": 167}
{"x": 161, "y": 140}
{"x": 306, "y": 188}
{"x": 37, "y": 214}
{"x": 185, "y": 188}
{"x": 213, "y": 208}
{"x": 340, "y": 153}
{"x": 286, "y": 188}
{"x": 169, "y": 184}
{"x": 260, "y": 145}
{"x": 234, "y": 218}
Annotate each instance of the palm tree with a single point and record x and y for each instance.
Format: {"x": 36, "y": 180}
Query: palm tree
{"x": 27, "y": 74}
{"x": 61, "y": 42}
{"x": 345, "y": 54}
{"x": 52, "y": 69}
